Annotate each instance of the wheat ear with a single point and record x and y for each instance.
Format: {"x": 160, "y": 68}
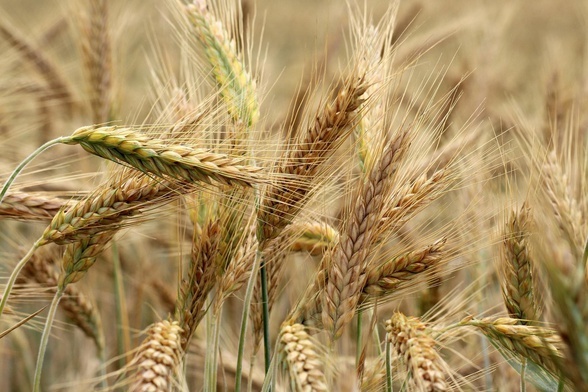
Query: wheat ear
{"x": 97, "y": 59}
{"x": 565, "y": 207}
{"x": 313, "y": 237}
{"x": 538, "y": 344}
{"x": 158, "y": 358}
{"x": 236, "y": 85}
{"x": 56, "y": 83}
{"x": 78, "y": 309}
{"x": 298, "y": 353}
{"x": 30, "y": 206}
{"x": 416, "y": 348}
{"x": 346, "y": 276}
{"x": 518, "y": 284}
{"x": 385, "y": 279}
{"x": 151, "y": 155}
{"x": 303, "y": 161}
{"x": 202, "y": 276}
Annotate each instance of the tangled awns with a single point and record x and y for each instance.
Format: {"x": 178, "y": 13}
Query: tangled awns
{"x": 225, "y": 195}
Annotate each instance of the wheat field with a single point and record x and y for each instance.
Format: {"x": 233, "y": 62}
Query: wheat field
{"x": 225, "y": 195}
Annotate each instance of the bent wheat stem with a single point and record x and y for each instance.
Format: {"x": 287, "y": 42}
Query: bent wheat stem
{"x": 45, "y": 338}
{"x": 14, "y": 275}
{"x": 25, "y": 162}
{"x": 244, "y": 319}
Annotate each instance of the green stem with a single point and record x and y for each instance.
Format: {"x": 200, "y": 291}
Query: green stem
{"x": 265, "y": 316}
{"x": 122, "y": 322}
{"x": 212, "y": 344}
{"x": 14, "y": 275}
{"x": 523, "y": 368}
{"x": 26, "y": 161}
{"x": 45, "y": 338}
{"x": 244, "y": 319}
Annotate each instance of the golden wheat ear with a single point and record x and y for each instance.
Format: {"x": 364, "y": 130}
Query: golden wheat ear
{"x": 416, "y": 349}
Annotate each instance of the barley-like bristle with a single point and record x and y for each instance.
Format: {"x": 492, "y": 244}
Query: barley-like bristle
{"x": 332, "y": 125}
{"x": 518, "y": 286}
{"x": 30, "y": 206}
{"x": 158, "y": 359}
{"x": 300, "y": 356}
{"x": 150, "y": 155}
{"x": 414, "y": 345}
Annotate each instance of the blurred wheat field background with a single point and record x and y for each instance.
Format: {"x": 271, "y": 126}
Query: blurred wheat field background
{"x": 293, "y": 196}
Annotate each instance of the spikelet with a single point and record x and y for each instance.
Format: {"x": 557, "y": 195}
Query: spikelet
{"x": 416, "y": 348}
{"x": 313, "y": 237}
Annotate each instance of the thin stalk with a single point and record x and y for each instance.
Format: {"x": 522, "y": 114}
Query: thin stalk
{"x": 389, "y": 387}
{"x": 211, "y": 365}
{"x": 45, "y": 338}
{"x": 523, "y": 368}
{"x": 358, "y": 337}
{"x": 14, "y": 275}
{"x": 265, "y": 316}
{"x": 244, "y": 319}
{"x": 26, "y": 161}
{"x": 122, "y": 321}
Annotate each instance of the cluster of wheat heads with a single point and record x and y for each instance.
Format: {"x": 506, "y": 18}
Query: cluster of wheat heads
{"x": 343, "y": 242}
